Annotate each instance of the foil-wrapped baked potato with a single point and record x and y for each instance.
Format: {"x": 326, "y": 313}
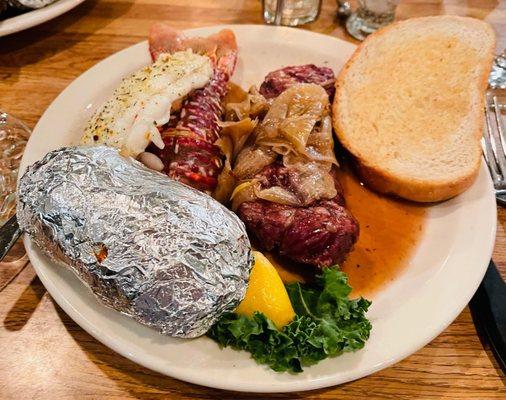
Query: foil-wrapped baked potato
{"x": 152, "y": 248}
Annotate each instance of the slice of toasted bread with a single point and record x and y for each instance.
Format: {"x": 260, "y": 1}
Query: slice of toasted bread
{"x": 409, "y": 106}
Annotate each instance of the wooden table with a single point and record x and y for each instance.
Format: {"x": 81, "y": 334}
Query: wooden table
{"x": 45, "y": 355}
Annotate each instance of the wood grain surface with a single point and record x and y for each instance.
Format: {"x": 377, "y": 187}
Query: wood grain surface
{"x": 45, "y": 355}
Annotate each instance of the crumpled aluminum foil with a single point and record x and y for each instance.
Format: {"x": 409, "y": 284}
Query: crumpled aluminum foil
{"x": 152, "y": 248}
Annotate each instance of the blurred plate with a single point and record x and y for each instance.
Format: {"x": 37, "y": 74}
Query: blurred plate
{"x": 35, "y": 17}
{"x": 441, "y": 276}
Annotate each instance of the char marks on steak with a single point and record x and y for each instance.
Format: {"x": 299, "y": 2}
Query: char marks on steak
{"x": 321, "y": 233}
{"x": 278, "y": 81}
{"x": 190, "y": 155}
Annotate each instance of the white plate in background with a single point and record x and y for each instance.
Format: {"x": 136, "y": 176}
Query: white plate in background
{"x": 35, "y": 17}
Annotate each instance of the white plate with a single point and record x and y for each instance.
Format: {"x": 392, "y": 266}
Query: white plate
{"x": 440, "y": 280}
{"x": 36, "y": 17}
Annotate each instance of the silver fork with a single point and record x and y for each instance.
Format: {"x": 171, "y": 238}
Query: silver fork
{"x": 494, "y": 143}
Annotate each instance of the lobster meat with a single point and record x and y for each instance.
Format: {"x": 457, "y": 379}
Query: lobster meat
{"x": 190, "y": 154}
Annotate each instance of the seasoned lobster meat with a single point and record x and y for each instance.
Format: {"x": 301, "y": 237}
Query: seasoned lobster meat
{"x": 131, "y": 118}
{"x": 190, "y": 155}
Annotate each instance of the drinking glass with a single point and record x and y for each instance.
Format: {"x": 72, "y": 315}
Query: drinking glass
{"x": 497, "y": 78}
{"x": 290, "y": 12}
{"x": 370, "y": 16}
{"x": 13, "y": 138}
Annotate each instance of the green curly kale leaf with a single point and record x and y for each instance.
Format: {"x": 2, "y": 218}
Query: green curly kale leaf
{"x": 327, "y": 323}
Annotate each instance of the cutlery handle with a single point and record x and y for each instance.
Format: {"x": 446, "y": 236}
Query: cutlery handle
{"x": 280, "y": 6}
{"x": 9, "y": 233}
{"x": 489, "y": 307}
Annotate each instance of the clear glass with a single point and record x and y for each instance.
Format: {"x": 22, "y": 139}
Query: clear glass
{"x": 13, "y": 137}
{"x": 291, "y": 12}
{"x": 497, "y": 79}
{"x": 370, "y": 16}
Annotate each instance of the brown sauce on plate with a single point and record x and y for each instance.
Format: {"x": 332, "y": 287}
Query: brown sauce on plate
{"x": 389, "y": 233}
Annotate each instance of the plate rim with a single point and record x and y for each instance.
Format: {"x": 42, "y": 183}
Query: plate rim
{"x": 287, "y": 386}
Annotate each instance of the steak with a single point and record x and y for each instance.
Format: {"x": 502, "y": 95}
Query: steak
{"x": 321, "y": 233}
{"x": 278, "y": 81}
{"x": 318, "y": 231}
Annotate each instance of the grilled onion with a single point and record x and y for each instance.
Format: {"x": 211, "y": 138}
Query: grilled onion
{"x": 226, "y": 180}
{"x": 252, "y": 160}
{"x": 311, "y": 180}
{"x": 277, "y": 194}
{"x": 320, "y": 144}
{"x": 293, "y": 116}
{"x": 238, "y": 132}
{"x": 243, "y": 193}
{"x": 252, "y": 104}
{"x": 298, "y": 129}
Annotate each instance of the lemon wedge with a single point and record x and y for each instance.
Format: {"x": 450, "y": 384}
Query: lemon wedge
{"x": 266, "y": 294}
